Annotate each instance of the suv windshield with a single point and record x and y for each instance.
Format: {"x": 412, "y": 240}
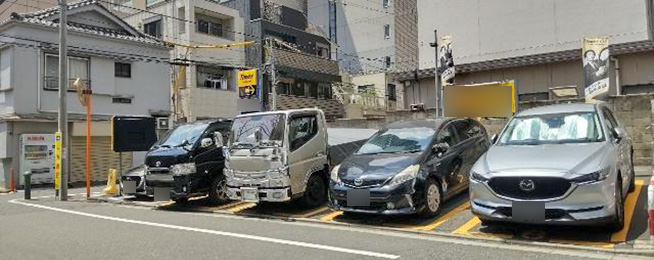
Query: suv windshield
{"x": 553, "y": 129}
{"x": 414, "y": 139}
{"x": 270, "y": 129}
{"x": 183, "y": 135}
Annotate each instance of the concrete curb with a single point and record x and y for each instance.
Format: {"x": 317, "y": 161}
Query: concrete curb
{"x": 508, "y": 241}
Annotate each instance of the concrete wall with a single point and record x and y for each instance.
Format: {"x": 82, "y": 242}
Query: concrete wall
{"x": 487, "y": 30}
{"x": 635, "y": 112}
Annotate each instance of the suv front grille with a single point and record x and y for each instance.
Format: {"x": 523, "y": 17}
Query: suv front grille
{"x": 544, "y": 187}
{"x": 365, "y": 183}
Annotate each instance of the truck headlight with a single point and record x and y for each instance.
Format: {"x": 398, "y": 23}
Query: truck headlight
{"x": 334, "y": 173}
{"x": 591, "y": 177}
{"x": 405, "y": 175}
{"x": 183, "y": 169}
{"x": 278, "y": 173}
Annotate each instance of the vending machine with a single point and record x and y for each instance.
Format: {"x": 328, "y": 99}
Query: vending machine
{"x": 37, "y": 156}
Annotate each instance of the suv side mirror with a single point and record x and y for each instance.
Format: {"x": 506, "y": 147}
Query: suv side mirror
{"x": 218, "y": 139}
{"x": 206, "y": 142}
{"x": 618, "y": 134}
{"x": 494, "y": 139}
{"x": 441, "y": 148}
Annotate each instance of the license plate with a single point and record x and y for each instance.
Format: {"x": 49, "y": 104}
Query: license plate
{"x": 528, "y": 211}
{"x": 358, "y": 198}
{"x": 159, "y": 177}
{"x": 250, "y": 194}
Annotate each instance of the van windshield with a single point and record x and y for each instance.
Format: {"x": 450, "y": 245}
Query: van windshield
{"x": 553, "y": 129}
{"x": 257, "y": 131}
{"x": 183, "y": 135}
{"x": 399, "y": 140}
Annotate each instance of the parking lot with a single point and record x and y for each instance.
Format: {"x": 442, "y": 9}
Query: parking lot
{"x": 455, "y": 219}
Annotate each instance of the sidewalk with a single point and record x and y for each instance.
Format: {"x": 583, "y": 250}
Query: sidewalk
{"x": 643, "y": 171}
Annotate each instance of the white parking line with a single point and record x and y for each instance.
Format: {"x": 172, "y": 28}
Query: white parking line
{"x": 215, "y": 232}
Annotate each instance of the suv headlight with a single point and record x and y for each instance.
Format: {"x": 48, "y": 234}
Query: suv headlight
{"x": 407, "y": 174}
{"x": 334, "y": 173}
{"x": 478, "y": 177}
{"x": 183, "y": 169}
{"x": 591, "y": 177}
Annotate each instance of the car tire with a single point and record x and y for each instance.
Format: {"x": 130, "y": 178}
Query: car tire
{"x": 486, "y": 223}
{"x": 618, "y": 221}
{"x": 433, "y": 198}
{"x": 632, "y": 183}
{"x": 316, "y": 192}
{"x": 218, "y": 190}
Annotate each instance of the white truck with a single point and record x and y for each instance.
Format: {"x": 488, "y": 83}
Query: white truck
{"x": 278, "y": 156}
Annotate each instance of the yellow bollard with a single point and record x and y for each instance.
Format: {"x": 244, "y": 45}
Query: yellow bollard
{"x": 112, "y": 188}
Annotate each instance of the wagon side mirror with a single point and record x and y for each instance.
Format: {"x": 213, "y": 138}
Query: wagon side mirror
{"x": 618, "y": 134}
{"x": 440, "y": 148}
{"x": 206, "y": 142}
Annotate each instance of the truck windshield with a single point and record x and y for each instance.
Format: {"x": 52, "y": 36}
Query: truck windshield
{"x": 400, "y": 140}
{"x": 257, "y": 131}
{"x": 553, "y": 129}
{"x": 183, "y": 135}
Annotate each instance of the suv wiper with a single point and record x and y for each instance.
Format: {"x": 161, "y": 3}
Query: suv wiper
{"x": 410, "y": 151}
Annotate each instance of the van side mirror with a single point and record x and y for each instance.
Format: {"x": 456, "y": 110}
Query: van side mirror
{"x": 218, "y": 139}
{"x": 618, "y": 134}
{"x": 206, "y": 142}
{"x": 440, "y": 148}
{"x": 494, "y": 139}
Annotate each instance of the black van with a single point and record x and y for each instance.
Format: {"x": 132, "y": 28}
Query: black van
{"x": 187, "y": 161}
{"x": 409, "y": 167}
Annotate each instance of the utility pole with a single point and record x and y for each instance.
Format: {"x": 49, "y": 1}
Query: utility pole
{"x": 273, "y": 74}
{"x": 437, "y": 77}
{"x": 63, "y": 87}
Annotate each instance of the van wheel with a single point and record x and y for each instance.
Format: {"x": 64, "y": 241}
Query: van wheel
{"x": 315, "y": 193}
{"x": 218, "y": 190}
{"x": 433, "y": 198}
{"x": 618, "y": 221}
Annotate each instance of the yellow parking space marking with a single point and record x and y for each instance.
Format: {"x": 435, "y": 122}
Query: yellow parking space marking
{"x": 242, "y": 207}
{"x": 629, "y": 206}
{"x": 463, "y": 230}
{"x": 583, "y": 243}
{"x": 305, "y": 215}
{"x": 331, "y": 216}
{"x": 229, "y": 205}
{"x": 444, "y": 218}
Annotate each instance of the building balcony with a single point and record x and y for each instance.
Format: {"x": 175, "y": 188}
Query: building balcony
{"x": 307, "y": 66}
{"x": 331, "y": 107}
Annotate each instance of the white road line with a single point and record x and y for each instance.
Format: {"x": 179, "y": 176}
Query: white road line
{"x": 215, "y": 232}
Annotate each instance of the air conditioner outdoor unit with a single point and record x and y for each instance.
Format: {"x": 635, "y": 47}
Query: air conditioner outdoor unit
{"x": 162, "y": 123}
{"x": 417, "y": 107}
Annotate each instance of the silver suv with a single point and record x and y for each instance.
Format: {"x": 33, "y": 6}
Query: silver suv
{"x": 559, "y": 164}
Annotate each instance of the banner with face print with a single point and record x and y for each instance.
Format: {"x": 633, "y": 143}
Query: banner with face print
{"x": 596, "y": 68}
{"x": 446, "y": 61}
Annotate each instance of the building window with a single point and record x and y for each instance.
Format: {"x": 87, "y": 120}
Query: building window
{"x": 332, "y": 21}
{"x": 209, "y": 25}
{"x": 324, "y": 91}
{"x": 364, "y": 89}
{"x": 181, "y": 13}
{"x": 534, "y": 96}
{"x": 387, "y": 31}
{"x": 213, "y": 78}
{"x": 322, "y": 50}
{"x": 78, "y": 67}
{"x": 122, "y": 70}
{"x": 391, "y": 92}
{"x": 153, "y": 29}
{"x": 283, "y": 88}
{"x": 312, "y": 90}
{"x": 387, "y": 61}
{"x": 121, "y": 100}
{"x": 298, "y": 89}
{"x": 386, "y": 3}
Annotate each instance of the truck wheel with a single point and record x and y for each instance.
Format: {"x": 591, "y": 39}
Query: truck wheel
{"x": 218, "y": 191}
{"x": 315, "y": 193}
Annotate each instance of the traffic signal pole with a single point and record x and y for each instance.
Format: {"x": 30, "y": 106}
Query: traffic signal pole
{"x": 437, "y": 77}
{"x": 63, "y": 87}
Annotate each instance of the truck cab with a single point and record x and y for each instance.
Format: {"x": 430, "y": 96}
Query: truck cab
{"x": 278, "y": 156}
{"x": 189, "y": 161}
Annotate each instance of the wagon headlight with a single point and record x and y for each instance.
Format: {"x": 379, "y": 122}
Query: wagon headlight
{"x": 407, "y": 174}
{"x": 183, "y": 169}
{"x": 478, "y": 177}
{"x": 591, "y": 177}
{"x": 334, "y": 173}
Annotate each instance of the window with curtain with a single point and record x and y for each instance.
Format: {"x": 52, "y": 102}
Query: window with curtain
{"x": 78, "y": 67}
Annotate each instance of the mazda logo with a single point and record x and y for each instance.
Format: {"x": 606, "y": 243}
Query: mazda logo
{"x": 158, "y": 163}
{"x": 358, "y": 181}
{"x": 527, "y": 185}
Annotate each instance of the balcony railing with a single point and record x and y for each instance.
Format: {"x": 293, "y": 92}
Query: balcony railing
{"x": 364, "y": 100}
{"x": 52, "y": 83}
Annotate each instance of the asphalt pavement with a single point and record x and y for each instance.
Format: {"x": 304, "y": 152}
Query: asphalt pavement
{"x": 79, "y": 229}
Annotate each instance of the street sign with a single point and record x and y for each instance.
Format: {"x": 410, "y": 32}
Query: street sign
{"x": 247, "y": 78}
{"x": 57, "y": 164}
